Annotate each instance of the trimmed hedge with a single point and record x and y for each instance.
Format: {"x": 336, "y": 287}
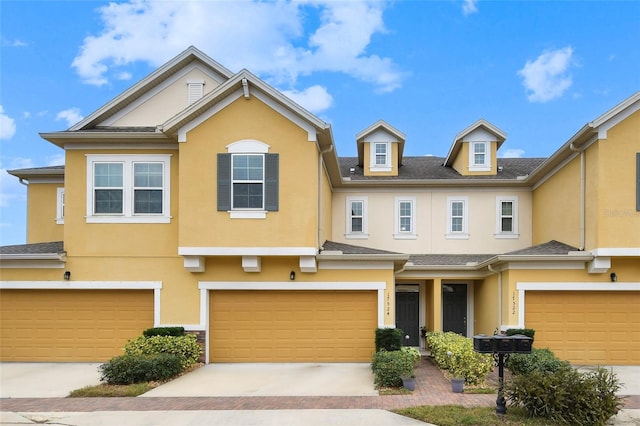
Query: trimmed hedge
{"x": 389, "y": 367}
{"x": 529, "y": 332}
{"x": 538, "y": 359}
{"x": 389, "y": 339}
{"x": 566, "y": 396}
{"x": 164, "y": 331}
{"x": 455, "y": 353}
{"x": 185, "y": 347}
{"x": 129, "y": 369}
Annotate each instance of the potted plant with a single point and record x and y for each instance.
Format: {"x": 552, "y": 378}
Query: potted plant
{"x": 456, "y": 369}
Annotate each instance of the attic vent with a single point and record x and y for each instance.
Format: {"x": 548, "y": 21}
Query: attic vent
{"x": 195, "y": 90}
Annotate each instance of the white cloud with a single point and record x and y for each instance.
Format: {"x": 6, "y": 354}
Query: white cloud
{"x": 11, "y": 190}
{"x": 268, "y": 38}
{"x": 7, "y": 125}
{"x": 547, "y": 77}
{"x": 315, "y": 98}
{"x": 71, "y": 116}
{"x": 14, "y": 43}
{"x": 512, "y": 153}
{"x": 469, "y": 7}
{"x": 55, "y": 160}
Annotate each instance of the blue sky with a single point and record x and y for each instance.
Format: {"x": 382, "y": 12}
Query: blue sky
{"x": 538, "y": 70}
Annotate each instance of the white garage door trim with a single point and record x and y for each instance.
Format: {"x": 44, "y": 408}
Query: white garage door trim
{"x": 205, "y": 286}
{"x": 564, "y": 286}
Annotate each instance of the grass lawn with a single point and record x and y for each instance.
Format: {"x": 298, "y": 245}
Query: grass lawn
{"x": 455, "y": 415}
{"x": 104, "y": 390}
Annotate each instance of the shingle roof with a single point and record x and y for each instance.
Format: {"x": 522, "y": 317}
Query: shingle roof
{"x": 549, "y": 248}
{"x": 350, "y": 249}
{"x": 448, "y": 259}
{"x": 432, "y": 168}
{"x": 54, "y": 247}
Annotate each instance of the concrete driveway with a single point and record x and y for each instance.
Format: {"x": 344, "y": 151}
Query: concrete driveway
{"x": 264, "y": 379}
{"x": 45, "y": 379}
{"x": 57, "y": 380}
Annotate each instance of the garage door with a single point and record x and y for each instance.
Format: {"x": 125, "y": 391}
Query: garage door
{"x": 292, "y": 326}
{"x": 589, "y": 327}
{"x": 66, "y": 325}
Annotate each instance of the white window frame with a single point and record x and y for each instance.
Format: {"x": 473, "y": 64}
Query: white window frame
{"x": 400, "y": 234}
{"x": 60, "y": 206}
{"x": 464, "y": 233}
{"x": 373, "y": 165}
{"x": 349, "y": 233}
{"x": 248, "y": 147}
{"x": 127, "y": 215}
{"x": 480, "y": 167}
{"x": 514, "y": 233}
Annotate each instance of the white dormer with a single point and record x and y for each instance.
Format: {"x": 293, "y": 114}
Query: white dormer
{"x": 380, "y": 149}
{"x": 474, "y": 150}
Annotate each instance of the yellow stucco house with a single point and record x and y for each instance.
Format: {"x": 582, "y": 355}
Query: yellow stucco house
{"x": 207, "y": 199}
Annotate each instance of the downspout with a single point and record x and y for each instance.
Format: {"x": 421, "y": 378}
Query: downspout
{"x": 582, "y": 193}
{"x": 320, "y": 168}
{"x": 21, "y": 180}
{"x": 499, "y": 294}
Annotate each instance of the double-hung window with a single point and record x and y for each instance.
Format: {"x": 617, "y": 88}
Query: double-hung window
{"x": 405, "y": 218}
{"x": 479, "y": 156}
{"x": 128, "y": 188}
{"x": 356, "y": 218}
{"x": 506, "y": 217}
{"x": 248, "y": 180}
{"x": 457, "y": 218}
{"x": 381, "y": 154}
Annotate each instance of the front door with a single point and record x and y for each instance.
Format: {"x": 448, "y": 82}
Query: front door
{"x": 407, "y": 316}
{"x": 454, "y": 308}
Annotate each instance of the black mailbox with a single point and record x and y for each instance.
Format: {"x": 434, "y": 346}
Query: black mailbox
{"x": 504, "y": 344}
{"x": 522, "y": 344}
{"x": 483, "y": 344}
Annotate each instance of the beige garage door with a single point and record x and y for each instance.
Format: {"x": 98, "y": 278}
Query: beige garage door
{"x": 292, "y": 326}
{"x": 71, "y": 325}
{"x": 589, "y": 327}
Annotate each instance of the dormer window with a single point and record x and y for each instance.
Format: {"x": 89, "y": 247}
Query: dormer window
{"x": 479, "y": 156}
{"x": 380, "y": 156}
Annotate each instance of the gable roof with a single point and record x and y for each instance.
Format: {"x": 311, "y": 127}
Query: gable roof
{"x": 380, "y": 125}
{"x": 148, "y": 83}
{"x": 480, "y": 124}
{"x": 51, "y": 172}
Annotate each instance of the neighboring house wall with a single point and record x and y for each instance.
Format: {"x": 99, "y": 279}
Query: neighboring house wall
{"x": 431, "y": 218}
{"x": 556, "y": 206}
{"x": 295, "y": 222}
{"x": 486, "y": 299}
{"x": 43, "y": 223}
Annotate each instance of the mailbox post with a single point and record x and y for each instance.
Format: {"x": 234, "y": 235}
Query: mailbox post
{"x": 500, "y": 347}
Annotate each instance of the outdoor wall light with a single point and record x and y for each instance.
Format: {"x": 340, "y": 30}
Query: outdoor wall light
{"x": 614, "y": 277}
{"x": 292, "y": 275}
{"x": 67, "y": 275}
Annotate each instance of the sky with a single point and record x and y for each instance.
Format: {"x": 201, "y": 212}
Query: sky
{"x": 537, "y": 70}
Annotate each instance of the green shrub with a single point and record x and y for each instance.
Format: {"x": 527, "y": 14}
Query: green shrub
{"x": 415, "y": 354}
{"x": 455, "y": 353}
{"x": 128, "y": 369}
{"x": 529, "y": 332}
{"x": 389, "y": 367}
{"x": 186, "y": 347}
{"x": 163, "y": 331}
{"x": 389, "y": 339}
{"x": 538, "y": 359}
{"x": 566, "y": 396}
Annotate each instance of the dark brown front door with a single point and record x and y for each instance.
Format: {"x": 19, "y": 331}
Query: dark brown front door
{"x": 454, "y": 308}
{"x": 407, "y": 316}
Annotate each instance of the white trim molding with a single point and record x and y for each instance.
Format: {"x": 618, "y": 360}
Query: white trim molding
{"x": 616, "y": 251}
{"x": 247, "y": 251}
{"x": 80, "y": 285}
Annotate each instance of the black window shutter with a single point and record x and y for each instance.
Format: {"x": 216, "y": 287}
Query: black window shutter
{"x": 271, "y": 182}
{"x": 224, "y": 182}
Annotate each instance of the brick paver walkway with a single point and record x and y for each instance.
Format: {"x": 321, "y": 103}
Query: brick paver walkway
{"x": 431, "y": 389}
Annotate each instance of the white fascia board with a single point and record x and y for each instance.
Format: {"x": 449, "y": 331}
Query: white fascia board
{"x": 335, "y": 264}
{"x": 55, "y": 179}
{"x": 432, "y": 273}
{"x": 32, "y": 264}
{"x": 247, "y": 251}
{"x": 578, "y": 286}
{"x": 291, "y": 285}
{"x": 80, "y": 285}
{"x": 613, "y": 251}
{"x": 384, "y": 125}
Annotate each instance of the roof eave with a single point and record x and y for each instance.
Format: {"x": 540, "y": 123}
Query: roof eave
{"x": 62, "y": 138}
